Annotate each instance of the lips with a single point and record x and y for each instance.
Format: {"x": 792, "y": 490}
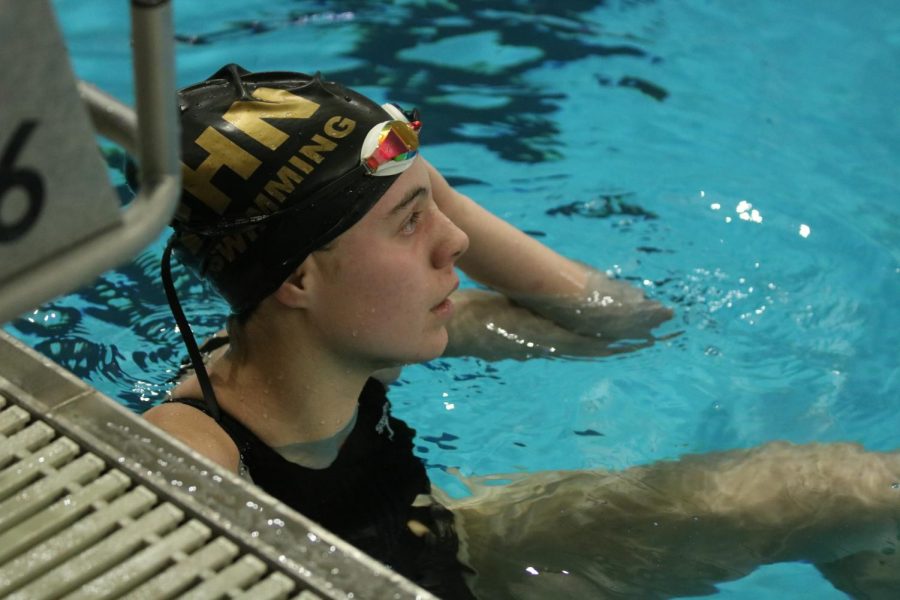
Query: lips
{"x": 445, "y": 303}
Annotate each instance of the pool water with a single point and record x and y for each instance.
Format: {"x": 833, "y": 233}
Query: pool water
{"x": 739, "y": 164}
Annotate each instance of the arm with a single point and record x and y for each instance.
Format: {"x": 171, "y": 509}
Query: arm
{"x": 574, "y": 297}
{"x": 489, "y": 325}
{"x": 676, "y": 528}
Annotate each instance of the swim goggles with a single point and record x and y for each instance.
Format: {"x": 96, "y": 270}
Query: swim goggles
{"x": 391, "y": 146}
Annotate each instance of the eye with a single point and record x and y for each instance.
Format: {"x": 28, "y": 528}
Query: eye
{"x": 409, "y": 225}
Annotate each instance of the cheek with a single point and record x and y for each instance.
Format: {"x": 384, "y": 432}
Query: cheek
{"x": 390, "y": 293}
{"x": 383, "y": 290}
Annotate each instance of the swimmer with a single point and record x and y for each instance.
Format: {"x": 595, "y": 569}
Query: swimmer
{"x": 309, "y": 208}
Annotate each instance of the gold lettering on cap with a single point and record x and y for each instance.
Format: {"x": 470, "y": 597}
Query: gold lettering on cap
{"x": 322, "y": 144}
{"x": 231, "y": 246}
{"x": 222, "y": 152}
{"x": 279, "y": 187}
{"x": 276, "y": 104}
{"x": 338, "y": 127}
{"x": 265, "y": 204}
{"x": 301, "y": 164}
{"x": 284, "y": 185}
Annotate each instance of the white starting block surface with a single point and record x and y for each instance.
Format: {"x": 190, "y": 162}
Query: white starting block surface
{"x": 54, "y": 190}
{"x": 60, "y": 221}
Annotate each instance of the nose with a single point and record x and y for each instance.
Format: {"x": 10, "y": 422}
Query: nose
{"x": 452, "y": 243}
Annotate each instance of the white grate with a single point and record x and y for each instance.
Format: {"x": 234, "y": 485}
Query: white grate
{"x": 74, "y": 527}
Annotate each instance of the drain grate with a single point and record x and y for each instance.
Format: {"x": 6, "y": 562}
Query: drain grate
{"x": 72, "y": 526}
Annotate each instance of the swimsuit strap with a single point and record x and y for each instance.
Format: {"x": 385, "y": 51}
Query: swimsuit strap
{"x": 237, "y": 431}
{"x": 192, "y": 402}
{"x": 214, "y": 343}
{"x": 206, "y": 348}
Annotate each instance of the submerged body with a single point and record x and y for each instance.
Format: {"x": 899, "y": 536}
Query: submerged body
{"x": 379, "y": 291}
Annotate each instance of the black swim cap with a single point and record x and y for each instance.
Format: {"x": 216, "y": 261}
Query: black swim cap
{"x": 270, "y": 172}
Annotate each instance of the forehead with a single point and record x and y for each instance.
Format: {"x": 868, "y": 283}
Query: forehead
{"x": 415, "y": 177}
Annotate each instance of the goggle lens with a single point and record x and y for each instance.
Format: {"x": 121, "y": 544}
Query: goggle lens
{"x": 397, "y": 142}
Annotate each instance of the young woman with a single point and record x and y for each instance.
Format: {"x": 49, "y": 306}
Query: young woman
{"x": 336, "y": 245}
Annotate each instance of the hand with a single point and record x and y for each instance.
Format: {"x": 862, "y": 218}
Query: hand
{"x": 607, "y": 309}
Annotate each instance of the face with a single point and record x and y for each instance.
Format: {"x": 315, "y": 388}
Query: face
{"x": 379, "y": 294}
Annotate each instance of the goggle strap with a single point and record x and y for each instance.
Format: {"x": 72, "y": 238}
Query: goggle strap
{"x": 209, "y": 395}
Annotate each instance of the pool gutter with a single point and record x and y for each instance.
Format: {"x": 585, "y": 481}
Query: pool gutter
{"x": 290, "y": 546}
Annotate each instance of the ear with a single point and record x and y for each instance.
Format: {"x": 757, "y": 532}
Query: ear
{"x": 294, "y": 292}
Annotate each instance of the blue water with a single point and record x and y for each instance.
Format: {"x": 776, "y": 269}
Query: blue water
{"x": 739, "y": 164}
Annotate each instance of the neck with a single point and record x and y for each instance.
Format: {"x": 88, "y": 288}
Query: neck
{"x": 286, "y": 387}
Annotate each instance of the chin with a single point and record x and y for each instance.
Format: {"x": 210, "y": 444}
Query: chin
{"x": 434, "y": 348}
{"x": 430, "y": 347}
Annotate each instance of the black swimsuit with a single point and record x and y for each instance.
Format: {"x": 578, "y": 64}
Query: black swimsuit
{"x": 366, "y": 495}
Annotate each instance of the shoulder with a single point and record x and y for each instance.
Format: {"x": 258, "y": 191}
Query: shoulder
{"x": 197, "y": 430}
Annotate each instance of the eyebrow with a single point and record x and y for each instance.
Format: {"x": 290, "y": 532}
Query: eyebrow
{"x": 408, "y": 199}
